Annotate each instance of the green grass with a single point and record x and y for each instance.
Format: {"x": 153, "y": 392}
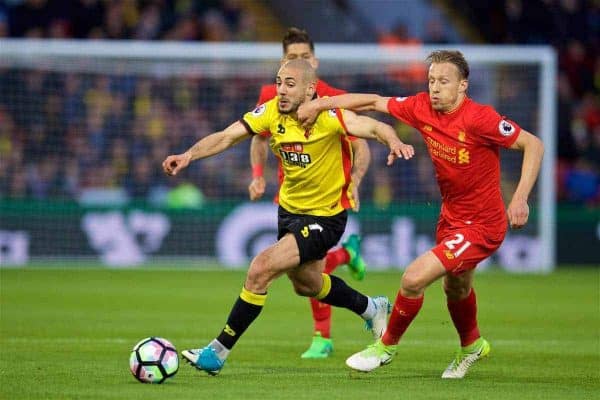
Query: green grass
{"x": 67, "y": 334}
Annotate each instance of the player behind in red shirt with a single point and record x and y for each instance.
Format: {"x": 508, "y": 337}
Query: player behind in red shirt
{"x": 297, "y": 44}
{"x": 463, "y": 139}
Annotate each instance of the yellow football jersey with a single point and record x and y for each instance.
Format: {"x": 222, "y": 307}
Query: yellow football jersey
{"x": 316, "y": 163}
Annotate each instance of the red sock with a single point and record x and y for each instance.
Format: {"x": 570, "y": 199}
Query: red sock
{"x": 405, "y": 310}
{"x": 321, "y": 317}
{"x": 335, "y": 258}
{"x": 464, "y": 315}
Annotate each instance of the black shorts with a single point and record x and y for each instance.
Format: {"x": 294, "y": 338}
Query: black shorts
{"x": 314, "y": 235}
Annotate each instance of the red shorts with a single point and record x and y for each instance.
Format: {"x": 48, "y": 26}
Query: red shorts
{"x": 461, "y": 248}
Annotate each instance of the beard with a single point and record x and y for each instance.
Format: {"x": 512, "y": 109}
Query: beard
{"x": 292, "y": 107}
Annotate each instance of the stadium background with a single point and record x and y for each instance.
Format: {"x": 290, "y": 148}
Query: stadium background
{"x": 79, "y": 148}
{"x": 80, "y": 152}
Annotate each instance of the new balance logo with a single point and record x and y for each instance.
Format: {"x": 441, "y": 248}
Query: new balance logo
{"x": 315, "y": 227}
{"x": 311, "y": 227}
{"x": 228, "y": 330}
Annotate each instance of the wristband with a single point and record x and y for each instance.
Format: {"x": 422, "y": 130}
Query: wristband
{"x": 257, "y": 171}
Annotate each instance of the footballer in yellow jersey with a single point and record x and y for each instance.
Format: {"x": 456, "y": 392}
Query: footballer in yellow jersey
{"x": 314, "y": 183}
{"x": 316, "y": 175}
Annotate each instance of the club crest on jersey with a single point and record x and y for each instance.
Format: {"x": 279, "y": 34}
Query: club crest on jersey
{"x": 401, "y": 98}
{"x": 506, "y": 128}
{"x": 260, "y": 110}
{"x": 332, "y": 112}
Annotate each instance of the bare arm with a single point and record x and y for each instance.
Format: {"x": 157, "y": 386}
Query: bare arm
{"x": 361, "y": 160}
{"x": 307, "y": 113}
{"x": 210, "y": 145}
{"x": 360, "y": 165}
{"x": 259, "y": 149}
{"x": 369, "y": 128}
{"x": 533, "y": 151}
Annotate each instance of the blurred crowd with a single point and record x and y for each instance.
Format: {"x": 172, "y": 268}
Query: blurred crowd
{"x": 103, "y": 136}
{"x": 211, "y": 20}
{"x": 573, "y": 28}
{"x": 66, "y": 134}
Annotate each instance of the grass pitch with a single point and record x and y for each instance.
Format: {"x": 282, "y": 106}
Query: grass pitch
{"x": 67, "y": 334}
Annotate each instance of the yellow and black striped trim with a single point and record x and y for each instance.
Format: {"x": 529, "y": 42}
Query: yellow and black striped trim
{"x": 326, "y": 287}
{"x": 253, "y": 298}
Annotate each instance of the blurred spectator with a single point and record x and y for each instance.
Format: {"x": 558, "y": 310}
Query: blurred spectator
{"x": 67, "y": 134}
{"x": 573, "y": 27}
{"x": 435, "y": 33}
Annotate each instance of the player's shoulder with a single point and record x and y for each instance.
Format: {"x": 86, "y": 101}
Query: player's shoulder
{"x": 324, "y": 89}
{"x": 474, "y": 106}
{"x": 330, "y": 118}
{"x": 265, "y": 109}
{"x": 475, "y": 112}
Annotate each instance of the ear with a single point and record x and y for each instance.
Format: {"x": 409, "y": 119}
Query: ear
{"x": 463, "y": 86}
{"x": 311, "y": 90}
{"x": 316, "y": 64}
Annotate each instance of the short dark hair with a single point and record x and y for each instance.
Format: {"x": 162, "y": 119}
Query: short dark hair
{"x": 453, "y": 57}
{"x": 297, "y": 35}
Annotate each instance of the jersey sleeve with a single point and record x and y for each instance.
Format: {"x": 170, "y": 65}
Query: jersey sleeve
{"x": 403, "y": 108}
{"x": 494, "y": 128}
{"x": 259, "y": 120}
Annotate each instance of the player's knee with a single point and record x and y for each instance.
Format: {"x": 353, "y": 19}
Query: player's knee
{"x": 257, "y": 278}
{"x": 456, "y": 290}
{"x": 304, "y": 290}
{"x": 412, "y": 284}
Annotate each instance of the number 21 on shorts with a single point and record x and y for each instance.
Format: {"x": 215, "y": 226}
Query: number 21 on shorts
{"x": 459, "y": 243}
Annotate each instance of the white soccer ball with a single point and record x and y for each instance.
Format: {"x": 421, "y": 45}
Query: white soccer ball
{"x": 153, "y": 360}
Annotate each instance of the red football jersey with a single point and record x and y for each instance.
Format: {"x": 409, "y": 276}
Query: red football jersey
{"x": 463, "y": 146}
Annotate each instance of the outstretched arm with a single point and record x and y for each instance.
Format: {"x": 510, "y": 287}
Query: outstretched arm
{"x": 308, "y": 112}
{"x": 259, "y": 148}
{"x": 210, "y": 145}
{"x": 369, "y": 128}
{"x": 533, "y": 151}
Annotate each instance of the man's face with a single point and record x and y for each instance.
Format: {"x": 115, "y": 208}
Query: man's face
{"x": 291, "y": 89}
{"x": 300, "y": 51}
{"x": 446, "y": 87}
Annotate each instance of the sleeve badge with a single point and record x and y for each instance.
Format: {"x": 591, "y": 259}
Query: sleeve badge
{"x": 506, "y": 128}
{"x": 260, "y": 110}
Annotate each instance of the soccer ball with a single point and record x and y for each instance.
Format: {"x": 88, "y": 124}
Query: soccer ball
{"x": 153, "y": 360}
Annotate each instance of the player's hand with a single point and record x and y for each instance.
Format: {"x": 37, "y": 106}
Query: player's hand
{"x": 175, "y": 163}
{"x": 518, "y": 213}
{"x": 256, "y": 188}
{"x": 400, "y": 150}
{"x": 307, "y": 114}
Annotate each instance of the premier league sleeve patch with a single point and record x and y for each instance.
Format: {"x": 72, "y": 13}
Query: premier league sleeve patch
{"x": 506, "y": 128}
{"x": 260, "y": 110}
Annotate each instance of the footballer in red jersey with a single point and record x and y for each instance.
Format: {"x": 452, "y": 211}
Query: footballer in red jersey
{"x": 463, "y": 139}
{"x": 297, "y": 44}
